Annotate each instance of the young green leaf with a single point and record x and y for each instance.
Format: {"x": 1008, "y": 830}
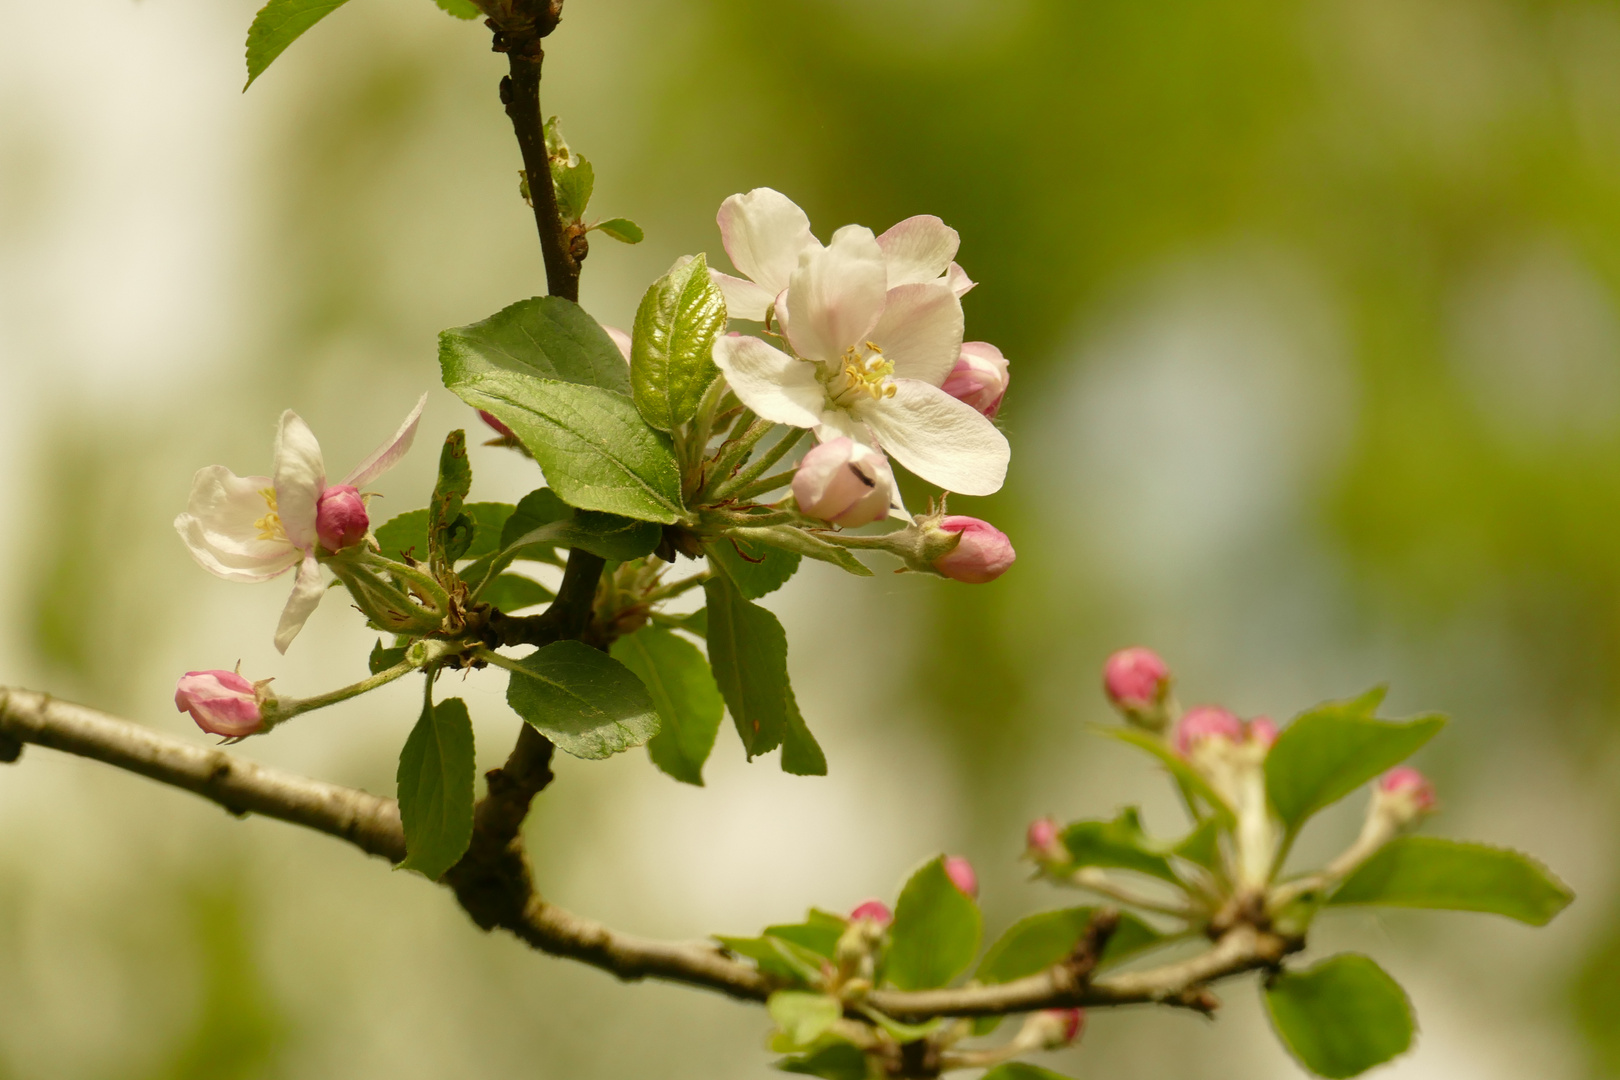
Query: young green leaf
{"x": 800, "y": 542}
{"x": 804, "y": 1017}
{"x": 1426, "y": 872}
{"x": 748, "y": 654}
{"x": 583, "y": 700}
{"x": 756, "y": 569}
{"x": 449, "y": 531}
{"x": 683, "y": 691}
{"x": 436, "y": 788}
{"x": 573, "y": 180}
{"x": 277, "y": 25}
{"x": 801, "y": 754}
{"x": 382, "y": 659}
{"x": 1193, "y": 785}
{"x": 935, "y": 933}
{"x": 833, "y": 1061}
{"x": 407, "y": 532}
{"x": 514, "y": 592}
{"x": 621, "y": 229}
{"x": 1119, "y": 843}
{"x": 461, "y": 9}
{"x": 1035, "y": 943}
{"x": 1200, "y": 846}
{"x": 671, "y": 356}
{"x": 1340, "y": 1017}
{"x": 539, "y": 507}
{"x": 1021, "y": 1070}
{"x": 544, "y": 336}
{"x": 1331, "y": 750}
{"x": 819, "y": 932}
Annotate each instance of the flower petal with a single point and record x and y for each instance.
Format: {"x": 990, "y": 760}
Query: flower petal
{"x": 835, "y": 296}
{"x": 744, "y": 299}
{"x": 621, "y": 339}
{"x": 387, "y": 455}
{"x": 920, "y": 332}
{"x": 838, "y": 423}
{"x": 945, "y": 441}
{"x": 308, "y": 588}
{"x": 918, "y": 249}
{"x": 221, "y": 526}
{"x": 776, "y": 386}
{"x": 959, "y": 282}
{"x": 764, "y": 232}
{"x": 233, "y": 565}
{"x": 300, "y": 477}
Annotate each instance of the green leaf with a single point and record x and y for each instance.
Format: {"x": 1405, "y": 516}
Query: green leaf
{"x": 1033, "y": 944}
{"x": 621, "y": 229}
{"x": 1119, "y": 843}
{"x": 1331, "y": 750}
{"x": 756, "y": 570}
{"x": 277, "y": 25}
{"x": 798, "y": 541}
{"x": 671, "y": 355}
{"x": 1194, "y": 786}
{"x": 573, "y": 181}
{"x": 748, "y": 654}
{"x": 819, "y": 932}
{"x": 935, "y": 933}
{"x": 801, "y": 754}
{"x": 777, "y": 957}
{"x": 802, "y": 1016}
{"x": 514, "y": 592}
{"x": 461, "y": 9}
{"x": 1340, "y": 1017}
{"x": 834, "y": 1061}
{"x": 583, "y": 700}
{"x": 683, "y": 691}
{"x": 1426, "y": 872}
{"x": 1201, "y": 846}
{"x": 546, "y": 337}
{"x": 436, "y": 788}
{"x": 696, "y": 622}
{"x": 449, "y": 531}
{"x": 382, "y": 659}
{"x": 408, "y": 531}
{"x": 539, "y": 507}
{"x": 1021, "y": 1070}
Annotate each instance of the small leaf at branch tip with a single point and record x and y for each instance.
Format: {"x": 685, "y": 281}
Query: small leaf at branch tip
{"x": 621, "y": 229}
{"x": 277, "y": 25}
{"x": 461, "y": 9}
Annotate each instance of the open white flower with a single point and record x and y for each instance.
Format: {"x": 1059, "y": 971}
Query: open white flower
{"x": 765, "y": 233}
{"x": 873, "y": 346}
{"x": 253, "y": 528}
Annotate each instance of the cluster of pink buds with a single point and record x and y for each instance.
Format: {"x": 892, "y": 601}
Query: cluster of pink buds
{"x": 222, "y": 702}
{"x": 1209, "y": 722}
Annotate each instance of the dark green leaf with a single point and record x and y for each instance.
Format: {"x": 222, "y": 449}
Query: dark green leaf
{"x": 748, "y": 654}
{"x": 803, "y": 1016}
{"x": 834, "y": 1061}
{"x": 573, "y": 181}
{"x": 801, "y": 754}
{"x": 1331, "y": 750}
{"x": 277, "y": 25}
{"x": 1340, "y": 1017}
{"x": 1035, "y": 943}
{"x": 621, "y": 229}
{"x": 449, "y": 531}
{"x": 819, "y": 932}
{"x": 514, "y": 592}
{"x": 539, "y": 507}
{"x": 1119, "y": 843}
{"x": 1195, "y": 786}
{"x": 756, "y": 569}
{"x": 461, "y": 9}
{"x": 546, "y": 337}
{"x": 1021, "y": 1070}
{"x": 1426, "y": 872}
{"x": 382, "y": 659}
{"x": 935, "y": 933}
{"x": 408, "y": 531}
{"x": 436, "y": 788}
{"x": 683, "y": 691}
{"x": 671, "y": 355}
{"x": 583, "y": 700}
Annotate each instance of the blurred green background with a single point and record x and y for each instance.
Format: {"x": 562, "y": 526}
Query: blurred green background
{"x": 1312, "y": 313}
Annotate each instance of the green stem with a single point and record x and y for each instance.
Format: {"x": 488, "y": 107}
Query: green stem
{"x": 665, "y": 592}
{"x": 746, "y": 479}
{"x": 733, "y": 452}
{"x": 760, "y": 487}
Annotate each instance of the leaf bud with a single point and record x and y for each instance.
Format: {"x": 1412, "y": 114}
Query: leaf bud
{"x": 1204, "y": 723}
{"x": 960, "y": 871}
{"x": 845, "y": 483}
{"x": 221, "y": 702}
{"x": 340, "y": 517}
{"x": 1137, "y": 681}
{"x": 979, "y": 378}
{"x": 983, "y": 554}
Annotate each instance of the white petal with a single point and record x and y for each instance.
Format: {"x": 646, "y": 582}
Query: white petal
{"x": 836, "y": 295}
{"x": 621, "y": 339}
{"x": 387, "y": 455}
{"x": 959, "y": 282}
{"x": 221, "y": 526}
{"x": 308, "y": 588}
{"x": 918, "y": 249}
{"x": 764, "y": 232}
{"x": 744, "y": 299}
{"x": 300, "y": 477}
{"x": 776, "y": 386}
{"x": 920, "y": 332}
{"x": 837, "y": 423}
{"x": 944, "y": 441}
{"x": 230, "y": 563}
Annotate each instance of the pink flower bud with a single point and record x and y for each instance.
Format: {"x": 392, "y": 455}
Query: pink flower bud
{"x": 1407, "y": 783}
{"x": 844, "y": 483}
{"x": 1043, "y": 833}
{"x": 1053, "y": 1029}
{"x": 1074, "y": 1022}
{"x": 1206, "y": 722}
{"x": 873, "y": 911}
{"x": 960, "y": 871}
{"x": 1136, "y": 679}
{"x": 979, "y": 378}
{"x": 222, "y": 702}
{"x": 494, "y": 422}
{"x": 340, "y": 517}
{"x": 983, "y": 554}
{"x": 1262, "y": 730}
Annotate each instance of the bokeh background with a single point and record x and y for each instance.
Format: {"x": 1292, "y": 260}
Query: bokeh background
{"x": 1313, "y": 308}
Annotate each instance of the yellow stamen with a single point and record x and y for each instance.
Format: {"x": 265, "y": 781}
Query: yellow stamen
{"x": 863, "y": 373}
{"x": 269, "y": 526}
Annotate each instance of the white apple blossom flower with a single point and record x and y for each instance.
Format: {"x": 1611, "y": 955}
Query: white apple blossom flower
{"x": 253, "y": 528}
{"x": 873, "y": 344}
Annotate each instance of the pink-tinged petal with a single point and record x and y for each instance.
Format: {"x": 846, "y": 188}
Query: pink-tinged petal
{"x": 744, "y": 299}
{"x": 620, "y": 338}
{"x": 300, "y": 477}
{"x": 981, "y": 555}
{"x": 778, "y": 387}
{"x": 230, "y": 527}
{"x": 945, "y": 441}
{"x": 764, "y": 233}
{"x": 920, "y": 332}
{"x": 222, "y": 702}
{"x": 308, "y": 588}
{"x": 233, "y": 565}
{"x": 387, "y": 455}
{"x": 845, "y": 483}
{"x": 979, "y": 378}
{"x": 836, "y": 295}
{"x": 958, "y": 282}
{"x": 918, "y": 249}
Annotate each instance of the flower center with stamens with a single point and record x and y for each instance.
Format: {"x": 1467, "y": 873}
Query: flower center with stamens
{"x": 269, "y": 526}
{"x": 864, "y": 373}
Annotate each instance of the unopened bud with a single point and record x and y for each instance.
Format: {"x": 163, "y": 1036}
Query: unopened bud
{"x": 1404, "y": 794}
{"x": 845, "y": 483}
{"x": 983, "y": 554}
{"x": 872, "y": 911}
{"x": 1262, "y": 730}
{"x": 222, "y": 702}
{"x": 495, "y": 424}
{"x": 960, "y": 871}
{"x": 1043, "y": 841}
{"x": 979, "y": 378}
{"x": 1204, "y": 723}
{"x": 1053, "y": 1029}
{"x": 340, "y": 517}
{"x": 1137, "y": 681}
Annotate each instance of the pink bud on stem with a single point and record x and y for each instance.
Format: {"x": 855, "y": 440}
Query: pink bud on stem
{"x": 1043, "y": 842}
{"x": 340, "y": 517}
{"x": 960, "y": 871}
{"x": 845, "y": 483}
{"x": 1052, "y": 1029}
{"x": 1405, "y": 794}
{"x": 979, "y": 378}
{"x": 1206, "y": 722}
{"x": 1137, "y": 682}
{"x": 1262, "y": 730}
{"x": 872, "y": 911}
{"x": 983, "y": 554}
{"x": 221, "y": 702}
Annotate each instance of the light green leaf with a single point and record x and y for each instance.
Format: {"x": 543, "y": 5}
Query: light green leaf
{"x": 514, "y": 592}
{"x": 1334, "y": 748}
{"x": 1195, "y": 787}
{"x": 935, "y": 932}
{"x": 583, "y": 700}
{"x": 1021, "y": 1070}
{"x": 1426, "y": 872}
{"x": 801, "y": 542}
{"x": 573, "y": 181}
{"x": 748, "y": 654}
{"x": 1033, "y": 944}
{"x": 449, "y": 531}
{"x": 461, "y": 9}
{"x": 683, "y": 691}
{"x": 277, "y": 25}
{"x": 777, "y": 957}
{"x": 834, "y": 1061}
{"x": 382, "y": 659}
{"x": 819, "y": 932}
{"x": 671, "y": 355}
{"x": 1340, "y": 1017}
{"x": 544, "y": 336}
{"x": 539, "y": 507}
{"x": 407, "y": 532}
{"x": 801, "y": 754}
{"x": 436, "y": 788}
{"x": 756, "y": 569}
{"x": 804, "y": 1017}
{"x": 1201, "y": 846}
{"x": 1119, "y": 843}
{"x": 621, "y": 229}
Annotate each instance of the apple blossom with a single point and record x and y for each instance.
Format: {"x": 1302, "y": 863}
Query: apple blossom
{"x": 979, "y": 378}
{"x": 845, "y": 483}
{"x": 1204, "y": 723}
{"x": 983, "y": 554}
{"x": 873, "y": 911}
{"x": 1137, "y": 682}
{"x": 222, "y": 702}
{"x": 253, "y": 528}
{"x": 960, "y": 871}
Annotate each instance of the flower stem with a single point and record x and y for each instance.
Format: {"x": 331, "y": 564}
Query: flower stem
{"x": 744, "y": 485}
